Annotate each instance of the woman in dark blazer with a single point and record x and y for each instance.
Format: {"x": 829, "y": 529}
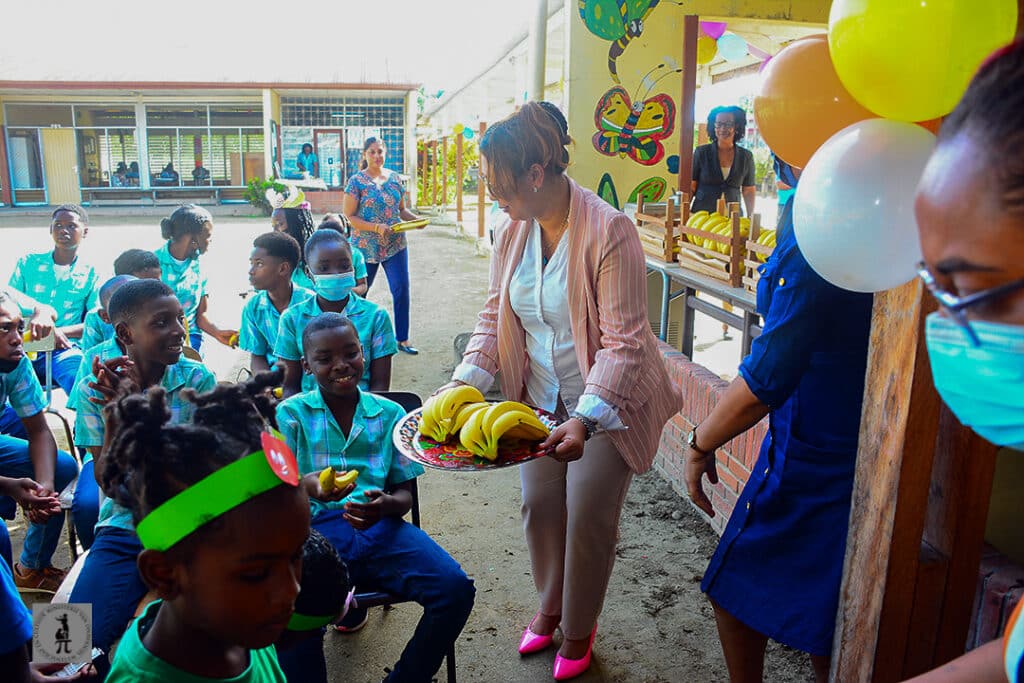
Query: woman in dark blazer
{"x": 721, "y": 166}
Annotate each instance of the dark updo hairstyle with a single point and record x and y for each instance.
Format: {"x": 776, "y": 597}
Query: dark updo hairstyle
{"x": 990, "y": 114}
{"x": 536, "y": 134}
{"x": 186, "y": 220}
{"x": 366, "y": 145}
{"x": 299, "y": 224}
{"x": 739, "y": 118}
{"x": 151, "y": 460}
{"x": 325, "y": 581}
{"x": 71, "y": 208}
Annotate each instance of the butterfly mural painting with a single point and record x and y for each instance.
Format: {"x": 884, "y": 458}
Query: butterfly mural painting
{"x": 633, "y": 129}
{"x": 606, "y": 191}
{"x": 620, "y": 21}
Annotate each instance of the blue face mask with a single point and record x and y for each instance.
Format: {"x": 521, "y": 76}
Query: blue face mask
{"x": 336, "y": 286}
{"x": 984, "y": 385}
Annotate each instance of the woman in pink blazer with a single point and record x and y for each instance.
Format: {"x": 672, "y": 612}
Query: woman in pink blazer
{"x": 565, "y": 323}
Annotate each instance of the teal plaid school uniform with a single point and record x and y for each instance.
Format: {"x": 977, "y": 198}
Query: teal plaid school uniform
{"x": 105, "y": 350}
{"x": 21, "y": 387}
{"x": 187, "y": 281}
{"x": 95, "y": 331}
{"x": 261, "y": 321}
{"x": 26, "y": 303}
{"x": 310, "y": 430}
{"x": 372, "y": 323}
{"x": 71, "y": 292}
{"x": 89, "y": 420}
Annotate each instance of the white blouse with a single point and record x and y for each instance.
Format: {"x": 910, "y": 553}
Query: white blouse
{"x": 538, "y": 294}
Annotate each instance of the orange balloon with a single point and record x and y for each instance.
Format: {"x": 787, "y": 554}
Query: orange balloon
{"x": 801, "y": 102}
{"x": 932, "y": 125}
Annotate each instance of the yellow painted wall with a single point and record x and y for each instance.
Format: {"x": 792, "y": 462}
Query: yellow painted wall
{"x": 590, "y": 79}
{"x": 1003, "y": 530}
{"x": 61, "y": 165}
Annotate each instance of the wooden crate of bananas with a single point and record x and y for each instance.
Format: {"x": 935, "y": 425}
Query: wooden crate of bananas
{"x": 715, "y": 244}
{"x": 760, "y": 245}
{"x": 657, "y": 224}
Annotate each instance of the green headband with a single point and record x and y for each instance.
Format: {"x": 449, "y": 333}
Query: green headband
{"x": 305, "y": 622}
{"x": 216, "y": 494}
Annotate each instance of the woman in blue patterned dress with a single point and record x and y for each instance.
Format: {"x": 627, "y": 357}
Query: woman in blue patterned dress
{"x": 374, "y": 202}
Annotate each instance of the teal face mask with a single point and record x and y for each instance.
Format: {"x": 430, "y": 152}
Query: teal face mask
{"x": 336, "y": 286}
{"x": 983, "y": 385}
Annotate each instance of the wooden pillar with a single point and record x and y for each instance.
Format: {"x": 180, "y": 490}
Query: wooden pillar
{"x": 920, "y": 501}
{"x": 424, "y": 171}
{"x": 458, "y": 178}
{"x": 433, "y": 183}
{"x": 480, "y": 188}
{"x": 444, "y": 172}
{"x": 687, "y": 101}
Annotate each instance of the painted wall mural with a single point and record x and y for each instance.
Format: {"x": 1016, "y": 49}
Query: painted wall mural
{"x": 652, "y": 190}
{"x": 634, "y": 127}
{"x": 620, "y": 21}
{"x": 606, "y": 191}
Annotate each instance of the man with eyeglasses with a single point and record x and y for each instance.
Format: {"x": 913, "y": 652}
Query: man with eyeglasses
{"x": 32, "y": 470}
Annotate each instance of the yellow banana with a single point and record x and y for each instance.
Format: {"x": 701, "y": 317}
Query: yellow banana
{"x": 345, "y": 478}
{"x": 471, "y": 435}
{"x": 466, "y": 412}
{"x": 437, "y": 419}
{"x": 327, "y": 479}
{"x": 527, "y": 422}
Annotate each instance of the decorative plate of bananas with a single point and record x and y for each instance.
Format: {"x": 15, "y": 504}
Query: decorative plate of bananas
{"x": 460, "y": 430}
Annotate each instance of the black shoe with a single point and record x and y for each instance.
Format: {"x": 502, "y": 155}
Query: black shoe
{"x": 406, "y": 348}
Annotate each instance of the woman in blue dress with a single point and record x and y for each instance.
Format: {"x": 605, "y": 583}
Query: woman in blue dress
{"x": 777, "y": 569}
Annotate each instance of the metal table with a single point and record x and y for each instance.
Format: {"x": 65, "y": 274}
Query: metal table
{"x": 749, "y": 323}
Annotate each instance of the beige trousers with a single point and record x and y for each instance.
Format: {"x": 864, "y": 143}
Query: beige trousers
{"x": 571, "y": 518}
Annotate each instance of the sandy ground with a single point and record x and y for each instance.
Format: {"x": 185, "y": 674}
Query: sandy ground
{"x": 656, "y": 625}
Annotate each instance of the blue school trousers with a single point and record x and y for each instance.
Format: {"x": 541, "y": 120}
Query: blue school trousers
{"x": 40, "y": 539}
{"x": 111, "y": 583}
{"x": 399, "y": 558}
{"x": 397, "y": 270}
{"x": 85, "y": 506}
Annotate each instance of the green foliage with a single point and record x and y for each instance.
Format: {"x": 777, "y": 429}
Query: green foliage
{"x": 762, "y": 164}
{"x": 470, "y": 166}
{"x": 256, "y": 193}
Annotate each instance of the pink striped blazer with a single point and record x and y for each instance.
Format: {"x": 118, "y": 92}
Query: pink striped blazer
{"x": 617, "y": 352}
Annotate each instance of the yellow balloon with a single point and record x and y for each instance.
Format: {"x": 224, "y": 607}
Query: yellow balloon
{"x": 911, "y": 60}
{"x": 458, "y": 128}
{"x": 707, "y": 48}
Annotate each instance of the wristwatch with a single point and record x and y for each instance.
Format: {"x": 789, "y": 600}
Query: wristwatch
{"x": 588, "y": 422}
{"x": 691, "y": 442}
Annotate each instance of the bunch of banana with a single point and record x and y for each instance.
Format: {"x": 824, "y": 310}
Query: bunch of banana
{"x": 718, "y": 224}
{"x": 445, "y": 413}
{"x": 331, "y": 479}
{"x": 766, "y": 239}
{"x": 501, "y": 421}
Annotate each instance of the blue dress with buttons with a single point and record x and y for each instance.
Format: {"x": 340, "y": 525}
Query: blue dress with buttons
{"x": 779, "y": 563}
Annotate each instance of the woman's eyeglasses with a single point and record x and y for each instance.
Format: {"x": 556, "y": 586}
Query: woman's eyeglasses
{"x": 724, "y": 126}
{"x": 957, "y": 306}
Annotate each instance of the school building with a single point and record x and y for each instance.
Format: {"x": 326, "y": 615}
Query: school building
{"x": 144, "y": 143}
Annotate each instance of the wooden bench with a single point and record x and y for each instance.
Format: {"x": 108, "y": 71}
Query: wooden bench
{"x": 97, "y": 196}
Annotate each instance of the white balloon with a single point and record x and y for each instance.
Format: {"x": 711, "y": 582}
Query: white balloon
{"x": 853, "y": 216}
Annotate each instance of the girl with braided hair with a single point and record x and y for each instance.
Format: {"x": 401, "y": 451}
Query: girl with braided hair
{"x": 222, "y": 516}
{"x": 297, "y": 222}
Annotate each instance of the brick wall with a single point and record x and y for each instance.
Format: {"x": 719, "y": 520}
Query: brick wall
{"x": 701, "y": 389}
{"x": 1000, "y": 582}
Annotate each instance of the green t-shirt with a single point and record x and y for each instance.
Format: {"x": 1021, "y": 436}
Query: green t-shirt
{"x": 133, "y": 663}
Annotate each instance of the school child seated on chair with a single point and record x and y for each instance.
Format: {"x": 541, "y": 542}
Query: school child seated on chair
{"x": 325, "y": 597}
{"x": 64, "y": 280}
{"x": 336, "y": 424}
{"x": 149, "y": 325}
{"x": 222, "y": 518}
{"x": 329, "y": 261}
{"x": 34, "y": 460}
{"x": 337, "y": 222}
{"x": 274, "y": 257}
{"x": 134, "y": 263}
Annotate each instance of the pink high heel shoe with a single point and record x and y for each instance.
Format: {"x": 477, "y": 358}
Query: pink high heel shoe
{"x": 566, "y": 668}
{"x": 533, "y": 642}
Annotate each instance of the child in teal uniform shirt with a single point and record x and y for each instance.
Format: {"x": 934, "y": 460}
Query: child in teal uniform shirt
{"x": 36, "y": 457}
{"x": 223, "y": 521}
{"x": 188, "y": 232}
{"x": 337, "y": 222}
{"x": 329, "y": 256}
{"x": 338, "y": 425}
{"x": 137, "y": 263}
{"x": 274, "y": 257}
{"x": 149, "y": 324}
{"x": 63, "y": 280}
